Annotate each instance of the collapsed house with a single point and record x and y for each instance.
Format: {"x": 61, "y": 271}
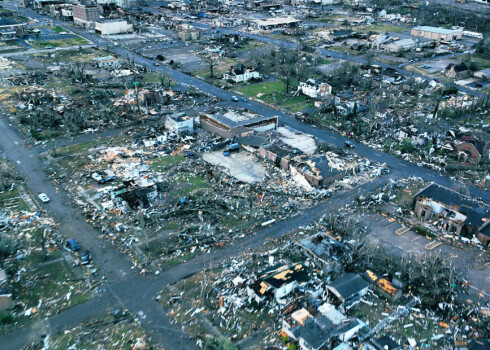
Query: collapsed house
{"x": 383, "y": 286}
{"x": 231, "y": 124}
{"x": 280, "y": 280}
{"x": 318, "y": 171}
{"x": 323, "y": 250}
{"x": 452, "y": 212}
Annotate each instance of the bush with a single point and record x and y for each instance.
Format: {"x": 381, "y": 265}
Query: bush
{"x": 407, "y": 146}
{"x": 424, "y": 231}
{"x": 7, "y": 246}
{"x": 6, "y": 318}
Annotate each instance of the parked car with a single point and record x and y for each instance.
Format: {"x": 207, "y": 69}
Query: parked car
{"x": 85, "y": 257}
{"x": 234, "y": 98}
{"x": 349, "y": 144}
{"x": 73, "y": 245}
{"x": 43, "y": 197}
{"x": 156, "y": 64}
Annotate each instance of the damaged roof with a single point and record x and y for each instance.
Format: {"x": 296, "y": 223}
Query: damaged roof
{"x": 476, "y": 212}
{"x": 285, "y": 274}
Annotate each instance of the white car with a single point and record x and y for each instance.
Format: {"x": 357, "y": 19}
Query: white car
{"x": 43, "y": 197}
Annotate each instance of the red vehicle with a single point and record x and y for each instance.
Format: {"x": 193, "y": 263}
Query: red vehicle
{"x": 213, "y": 27}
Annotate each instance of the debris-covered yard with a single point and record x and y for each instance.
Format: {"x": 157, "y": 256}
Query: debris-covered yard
{"x": 119, "y": 330}
{"x": 41, "y": 276}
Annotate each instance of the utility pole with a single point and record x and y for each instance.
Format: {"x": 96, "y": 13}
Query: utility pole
{"x": 136, "y": 83}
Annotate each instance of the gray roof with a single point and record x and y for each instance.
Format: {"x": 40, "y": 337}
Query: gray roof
{"x": 349, "y": 284}
{"x": 436, "y": 30}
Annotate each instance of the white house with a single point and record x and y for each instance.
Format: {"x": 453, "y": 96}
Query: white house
{"x": 106, "y": 61}
{"x": 240, "y": 73}
{"x": 179, "y": 123}
{"x": 314, "y": 89}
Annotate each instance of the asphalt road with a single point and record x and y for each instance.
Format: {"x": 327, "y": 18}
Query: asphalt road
{"x": 398, "y": 166}
{"x": 125, "y": 288}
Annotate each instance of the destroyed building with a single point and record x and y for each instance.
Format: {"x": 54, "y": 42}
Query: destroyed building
{"x": 451, "y": 211}
{"x": 323, "y": 250}
{"x": 179, "y": 123}
{"x": 281, "y": 280}
{"x": 318, "y": 171}
{"x": 278, "y": 153}
{"x": 383, "y": 286}
{"x": 232, "y": 124}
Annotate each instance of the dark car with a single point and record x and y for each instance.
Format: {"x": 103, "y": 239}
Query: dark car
{"x": 73, "y": 245}
{"x": 85, "y": 257}
{"x": 349, "y": 144}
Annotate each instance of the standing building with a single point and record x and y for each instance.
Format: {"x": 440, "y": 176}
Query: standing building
{"x": 438, "y": 34}
{"x": 85, "y": 15}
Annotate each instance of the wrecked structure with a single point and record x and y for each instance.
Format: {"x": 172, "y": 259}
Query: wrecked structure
{"x": 452, "y": 212}
{"x": 232, "y": 124}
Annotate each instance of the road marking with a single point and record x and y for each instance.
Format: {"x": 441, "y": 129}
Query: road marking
{"x": 402, "y": 230}
{"x": 432, "y": 245}
{"x": 403, "y": 164}
{"x": 413, "y": 240}
{"x": 393, "y": 223}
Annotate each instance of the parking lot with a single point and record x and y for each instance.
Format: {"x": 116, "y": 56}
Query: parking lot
{"x": 401, "y": 240}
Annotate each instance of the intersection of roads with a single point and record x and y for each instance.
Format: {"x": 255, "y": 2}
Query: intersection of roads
{"x": 125, "y": 287}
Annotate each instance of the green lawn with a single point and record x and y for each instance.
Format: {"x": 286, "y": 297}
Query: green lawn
{"x": 380, "y": 28}
{"x": 58, "y": 29}
{"x": 60, "y": 43}
{"x": 344, "y": 49}
{"x": 274, "y": 92}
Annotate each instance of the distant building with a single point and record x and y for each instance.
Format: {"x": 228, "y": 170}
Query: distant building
{"x": 457, "y": 71}
{"x": 240, "y": 73}
{"x": 275, "y": 23}
{"x": 262, "y": 5}
{"x": 314, "y": 89}
{"x": 121, "y": 3}
{"x": 179, "y": 123}
{"x": 10, "y": 28}
{"x": 186, "y": 32}
{"x": 113, "y": 27}
{"x": 85, "y": 14}
{"x": 438, "y": 34}
{"x": 106, "y": 61}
